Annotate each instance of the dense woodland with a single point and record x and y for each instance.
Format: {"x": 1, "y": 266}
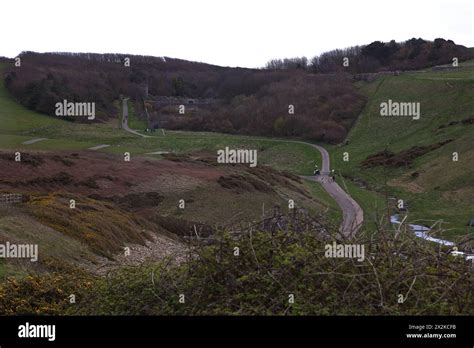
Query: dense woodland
{"x": 324, "y": 109}
{"x": 255, "y": 101}
{"x": 380, "y": 56}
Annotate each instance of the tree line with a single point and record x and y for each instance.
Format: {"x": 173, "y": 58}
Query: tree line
{"x": 379, "y": 56}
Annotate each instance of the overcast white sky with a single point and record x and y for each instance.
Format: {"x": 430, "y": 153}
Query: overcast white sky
{"x": 244, "y": 33}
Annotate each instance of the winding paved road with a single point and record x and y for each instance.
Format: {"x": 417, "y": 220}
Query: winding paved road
{"x": 352, "y": 214}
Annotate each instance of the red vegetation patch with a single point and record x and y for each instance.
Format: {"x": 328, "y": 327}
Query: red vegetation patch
{"x": 90, "y": 173}
{"x": 403, "y": 158}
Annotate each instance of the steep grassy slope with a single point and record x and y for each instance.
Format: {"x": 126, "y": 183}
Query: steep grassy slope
{"x": 15, "y": 117}
{"x": 434, "y": 186}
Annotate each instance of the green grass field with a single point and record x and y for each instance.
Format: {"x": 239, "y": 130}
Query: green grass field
{"x": 443, "y": 189}
{"x": 133, "y": 121}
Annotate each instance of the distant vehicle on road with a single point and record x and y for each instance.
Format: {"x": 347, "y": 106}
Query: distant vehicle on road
{"x": 316, "y": 170}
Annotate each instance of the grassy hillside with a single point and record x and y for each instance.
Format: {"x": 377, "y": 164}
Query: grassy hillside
{"x": 435, "y": 187}
{"x": 15, "y": 117}
{"x": 114, "y": 204}
{"x": 18, "y": 125}
{"x": 123, "y": 204}
{"x": 441, "y": 190}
